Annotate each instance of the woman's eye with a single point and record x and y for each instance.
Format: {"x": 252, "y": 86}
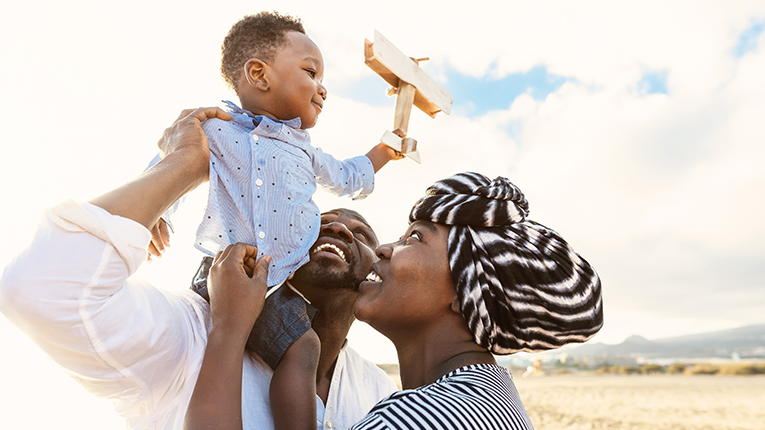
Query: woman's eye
{"x": 415, "y": 234}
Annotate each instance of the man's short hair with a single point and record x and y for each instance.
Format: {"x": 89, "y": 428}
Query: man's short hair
{"x": 254, "y": 36}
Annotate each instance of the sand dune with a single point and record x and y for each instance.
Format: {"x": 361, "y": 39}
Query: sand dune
{"x": 568, "y": 402}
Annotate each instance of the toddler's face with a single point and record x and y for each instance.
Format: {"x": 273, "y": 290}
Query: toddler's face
{"x": 296, "y": 80}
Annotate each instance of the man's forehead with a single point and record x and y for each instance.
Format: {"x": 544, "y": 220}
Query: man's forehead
{"x": 353, "y": 215}
{"x": 349, "y": 213}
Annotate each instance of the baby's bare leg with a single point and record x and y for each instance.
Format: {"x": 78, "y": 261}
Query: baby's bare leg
{"x": 293, "y": 386}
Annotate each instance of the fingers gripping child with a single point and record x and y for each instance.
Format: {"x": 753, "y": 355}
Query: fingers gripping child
{"x": 237, "y": 292}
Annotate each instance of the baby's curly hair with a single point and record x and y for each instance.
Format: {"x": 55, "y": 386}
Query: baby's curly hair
{"x": 260, "y": 36}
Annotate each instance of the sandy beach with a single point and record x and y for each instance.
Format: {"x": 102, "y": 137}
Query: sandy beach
{"x": 678, "y": 402}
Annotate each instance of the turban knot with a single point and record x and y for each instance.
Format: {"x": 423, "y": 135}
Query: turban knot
{"x": 521, "y": 286}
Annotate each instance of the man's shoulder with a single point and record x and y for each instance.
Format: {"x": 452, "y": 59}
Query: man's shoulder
{"x": 198, "y": 308}
{"x": 355, "y": 362}
{"x": 357, "y": 359}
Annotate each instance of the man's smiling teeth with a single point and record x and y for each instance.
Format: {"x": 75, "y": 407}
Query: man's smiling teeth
{"x": 374, "y": 277}
{"x": 328, "y": 247}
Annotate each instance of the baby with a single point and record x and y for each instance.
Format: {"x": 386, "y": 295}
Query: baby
{"x": 263, "y": 174}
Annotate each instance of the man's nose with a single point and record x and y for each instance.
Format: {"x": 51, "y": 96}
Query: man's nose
{"x": 338, "y": 229}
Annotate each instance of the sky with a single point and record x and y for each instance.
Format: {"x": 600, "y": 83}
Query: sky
{"x": 633, "y": 128}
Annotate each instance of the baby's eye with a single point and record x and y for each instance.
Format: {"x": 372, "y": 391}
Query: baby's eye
{"x": 311, "y": 72}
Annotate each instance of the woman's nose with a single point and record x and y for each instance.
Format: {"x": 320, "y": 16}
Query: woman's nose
{"x": 383, "y": 251}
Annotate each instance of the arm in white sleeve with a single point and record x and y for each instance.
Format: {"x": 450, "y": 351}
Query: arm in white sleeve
{"x": 120, "y": 338}
{"x": 354, "y": 177}
{"x": 167, "y": 216}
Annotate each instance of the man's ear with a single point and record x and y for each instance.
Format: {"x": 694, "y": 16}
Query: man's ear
{"x": 255, "y": 73}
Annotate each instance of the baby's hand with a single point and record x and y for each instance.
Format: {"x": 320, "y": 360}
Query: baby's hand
{"x": 380, "y": 154}
{"x": 160, "y": 238}
{"x": 397, "y": 155}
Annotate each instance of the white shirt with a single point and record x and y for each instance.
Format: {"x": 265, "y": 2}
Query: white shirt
{"x": 123, "y": 339}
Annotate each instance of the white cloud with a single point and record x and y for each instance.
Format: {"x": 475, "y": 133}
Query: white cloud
{"x": 617, "y": 161}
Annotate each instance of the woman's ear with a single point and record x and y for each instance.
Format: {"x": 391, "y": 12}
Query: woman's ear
{"x": 255, "y": 73}
{"x": 456, "y": 305}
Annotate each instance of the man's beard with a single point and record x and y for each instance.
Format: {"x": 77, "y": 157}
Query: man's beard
{"x": 319, "y": 274}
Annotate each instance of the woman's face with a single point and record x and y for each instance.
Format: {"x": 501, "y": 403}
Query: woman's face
{"x": 411, "y": 286}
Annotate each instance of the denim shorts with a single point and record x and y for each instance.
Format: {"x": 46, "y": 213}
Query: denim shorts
{"x": 285, "y": 317}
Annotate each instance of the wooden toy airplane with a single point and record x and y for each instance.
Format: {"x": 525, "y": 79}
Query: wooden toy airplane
{"x": 412, "y": 86}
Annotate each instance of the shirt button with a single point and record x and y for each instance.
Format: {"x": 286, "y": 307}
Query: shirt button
{"x": 258, "y": 182}
{"x": 329, "y": 424}
{"x": 261, "y": 235}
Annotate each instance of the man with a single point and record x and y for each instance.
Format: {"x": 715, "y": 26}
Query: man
{"x": 125, "y": 340}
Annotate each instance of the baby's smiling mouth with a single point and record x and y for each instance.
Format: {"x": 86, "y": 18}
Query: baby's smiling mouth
{"x": 328, "y": 247}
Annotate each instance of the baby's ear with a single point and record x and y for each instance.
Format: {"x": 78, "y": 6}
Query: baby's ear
{"x": 255, "y": 73}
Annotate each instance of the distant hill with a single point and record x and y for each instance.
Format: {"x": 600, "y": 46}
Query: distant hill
{"x": 743, "y": 342}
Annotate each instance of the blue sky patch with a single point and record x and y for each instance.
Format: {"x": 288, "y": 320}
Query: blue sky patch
{"x": 477, "y": 96}
{"x": 472, "y": 96}
{"x": 654, "y": 82}
{"x": 747, "y": 41}
{"x": 370, "y": 89}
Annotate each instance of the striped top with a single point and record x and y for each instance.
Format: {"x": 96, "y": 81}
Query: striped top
{"x": 263, "y": 174}
{"x": 474, "y": 397}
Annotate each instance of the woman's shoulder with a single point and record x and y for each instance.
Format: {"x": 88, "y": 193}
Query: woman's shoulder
{"x": 475, "y": 396}
{"x": 475, "y": 382}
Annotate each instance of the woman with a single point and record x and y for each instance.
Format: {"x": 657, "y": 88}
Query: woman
{"x": 470, "y": 278}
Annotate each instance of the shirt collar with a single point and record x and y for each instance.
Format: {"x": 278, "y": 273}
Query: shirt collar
{"x": 251, "y": 121}
{"x": 286, "y": 131}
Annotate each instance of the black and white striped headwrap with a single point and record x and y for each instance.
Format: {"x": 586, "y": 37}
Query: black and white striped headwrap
{"x": 520, "y": 285}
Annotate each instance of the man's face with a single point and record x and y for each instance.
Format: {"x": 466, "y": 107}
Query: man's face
{"x": 342, "y": 255}
{"x": 295, "y": 78}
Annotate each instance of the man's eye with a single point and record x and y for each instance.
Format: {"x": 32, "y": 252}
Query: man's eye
{"x": 363, "y": 236}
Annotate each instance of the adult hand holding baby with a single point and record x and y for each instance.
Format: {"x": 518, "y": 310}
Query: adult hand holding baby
{"x": 183, "y": 167}
{"x": 237, "y": 286}
{"x": 237, "y": 293}
{"x": 185, "y": 135}
{"x": 186, "y": 132}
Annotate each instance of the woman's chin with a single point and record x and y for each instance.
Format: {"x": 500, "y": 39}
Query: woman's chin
{"x": 360, "y": 310}
{"x": 364, "y": 305}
